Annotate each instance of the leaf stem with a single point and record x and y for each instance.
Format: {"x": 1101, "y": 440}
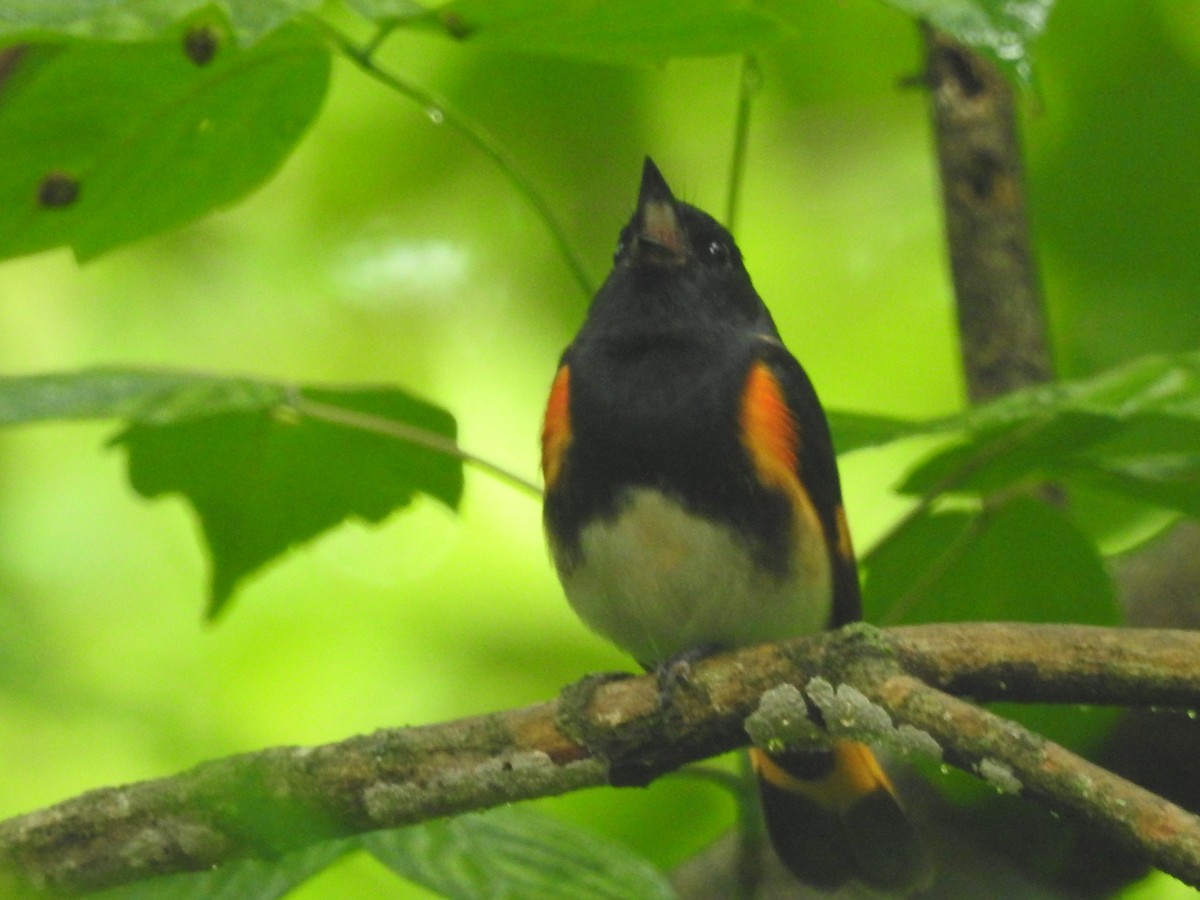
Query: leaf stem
{"x": 957, "y": 476}
{"x": 934, "y": 571}
{"x": 402, "y": 431}
{"x": 948, "y": 483}
{"x": 382, "y": 33}
{"x": 476, "y": 134}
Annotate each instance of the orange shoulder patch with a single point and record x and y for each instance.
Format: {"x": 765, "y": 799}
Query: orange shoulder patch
{"x": 556, "y": 427}
{"x": 769, "y": 430}
{"x": 772, "y": 442}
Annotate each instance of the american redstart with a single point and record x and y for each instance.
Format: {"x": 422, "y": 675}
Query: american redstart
{"x": 692, "y": 500}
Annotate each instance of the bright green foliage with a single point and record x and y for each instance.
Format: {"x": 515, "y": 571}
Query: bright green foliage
{"x": 261, "y": 476}
{"x": 517, "y": 853}
{"x": 634, "y": 32}
{"x": 170, "y": 130}
{"x": 157, "y": 139}
{"x": 164, "y": 134}
{"x": 855, "y": 431}
{"x": 626, "y": 31}
{"x": 1134, "y": 430}
{"x": 995, "y": 456}
{"x": 1167, "y": 385}
{"x": 262, "y": 482}
{"x": 1022, "y": 561}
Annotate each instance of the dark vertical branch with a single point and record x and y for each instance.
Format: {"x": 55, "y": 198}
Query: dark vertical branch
{"x": 1002, "y": 324}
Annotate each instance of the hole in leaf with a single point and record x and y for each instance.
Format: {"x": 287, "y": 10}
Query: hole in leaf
{"x": 201, "y": 43}
{"x": 58, "y": 189}
{"x": 456, "y": 26}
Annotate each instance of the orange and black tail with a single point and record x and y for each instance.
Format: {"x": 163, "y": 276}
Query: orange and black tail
{"x": 833, "y": 817}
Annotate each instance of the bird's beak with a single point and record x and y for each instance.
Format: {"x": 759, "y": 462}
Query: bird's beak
{"x": 660, "y": 236}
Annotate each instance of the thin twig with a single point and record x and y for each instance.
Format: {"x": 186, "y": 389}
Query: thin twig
{"x": 933, "y": 571}
{"x": 439, "y": 107}
{"x": 382, "y": 33}
{"x": 402, "y": 431}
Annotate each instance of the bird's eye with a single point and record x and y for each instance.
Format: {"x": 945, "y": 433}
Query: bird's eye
{"x": 717, "y": 252}
{"x": 619, "y": 251}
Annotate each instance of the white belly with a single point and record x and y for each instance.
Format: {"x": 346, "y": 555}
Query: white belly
{"x": 657, "y": 581}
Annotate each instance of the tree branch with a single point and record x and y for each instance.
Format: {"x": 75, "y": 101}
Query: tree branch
{"x": 1001, "y": 323}
{"x": 1016, "y": 760}
{"x": 613, "y": 731}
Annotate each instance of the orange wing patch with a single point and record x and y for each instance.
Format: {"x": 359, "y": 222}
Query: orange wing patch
{"x": 772, "y": 442}
{"x": 556, "y": 427}
{"x": 769, "y": 431}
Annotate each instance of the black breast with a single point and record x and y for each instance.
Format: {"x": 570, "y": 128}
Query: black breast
{"x": 661, "y": 412}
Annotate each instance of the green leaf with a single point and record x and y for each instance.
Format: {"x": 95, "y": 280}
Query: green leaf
{"x": 1134, "y": 430}
{"x": 247, "y": 879}
{"x": 637, "y": 32}
{"x": 1168, "y": 386}
{"x": 1169, "y": 481}
{"x": 519, "y": 854}
{"x": 648, "y": 31}
{"x": 854, "y": 431}
{"x": 138, "y": 395}
{"x": 166, "y": 132}
{"x": 111, "y": 19}
{"x": 141, "y": 20}
{"x": 1154, "y": 458}
{"x": 1024, "y": 561}
{"x": 996, "y": 457}
{"x": 263, "y": 481}
{"x": 1003, "y": 29}
{"x": 261, "y": 476}
{"x": 389, "y": 10}
{"x": 253, "y": 19}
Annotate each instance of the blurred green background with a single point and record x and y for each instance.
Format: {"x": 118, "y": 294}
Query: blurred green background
{"x": 388, "y": 250}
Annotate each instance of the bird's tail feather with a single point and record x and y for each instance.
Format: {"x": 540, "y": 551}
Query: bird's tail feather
{"x": 833, "y": 816}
